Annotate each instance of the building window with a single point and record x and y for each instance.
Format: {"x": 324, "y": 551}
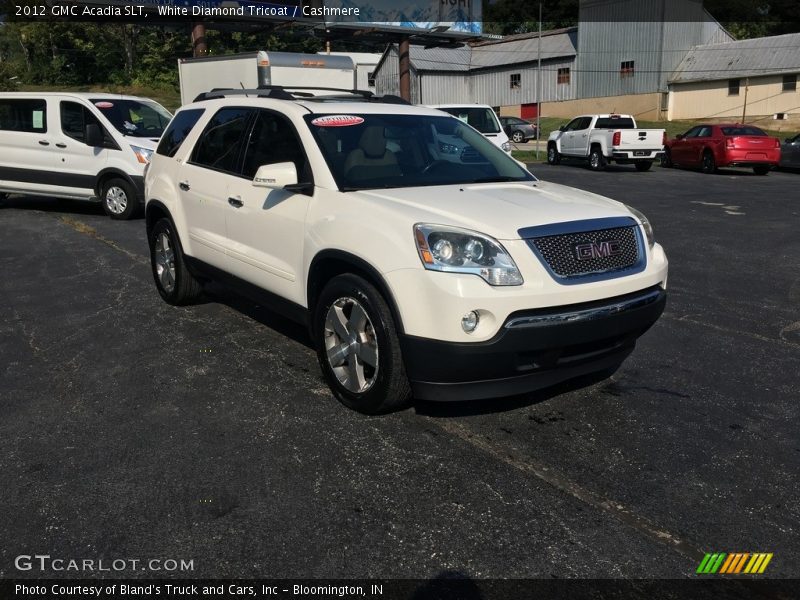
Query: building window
{"x": 371, "y": 79}
{"x": 626, "y": 68}
{"x": 790, "y": 83}
{"x": 516, "y": 81}
{"x": 733, "y": 87}
{"x": 563, "y": 75}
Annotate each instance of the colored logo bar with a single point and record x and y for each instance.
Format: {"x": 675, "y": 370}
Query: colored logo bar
{"x": 735, "y": 563}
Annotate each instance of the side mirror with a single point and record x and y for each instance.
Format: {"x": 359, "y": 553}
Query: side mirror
{"x": 679, "y": 136}
{"x": 94, "y": 135}
{"x": 276, "y": 176}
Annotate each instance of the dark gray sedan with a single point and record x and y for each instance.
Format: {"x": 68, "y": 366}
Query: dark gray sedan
{"x": 790, "y": 152}
{"x": 517, "y": 130}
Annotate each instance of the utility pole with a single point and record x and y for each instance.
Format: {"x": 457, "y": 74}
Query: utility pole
{"x": 744, "y": 108}
{"x": 404, "y": 49}
{"x": 539, "y": 86}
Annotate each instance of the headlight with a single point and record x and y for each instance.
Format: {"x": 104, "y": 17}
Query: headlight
{"x": 455, "y": 250}
{"x": 506, "y": 146}
{"x": 142, "y": 154}
{"x": 648, "y": 228}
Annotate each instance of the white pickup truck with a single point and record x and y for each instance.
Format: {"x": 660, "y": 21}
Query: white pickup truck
{"x": 606, "y": 138}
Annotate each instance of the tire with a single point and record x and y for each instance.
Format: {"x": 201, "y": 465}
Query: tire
{"x": 350, "y": 309}
{"x": 597, "y": 162}
{"x": 643, "y": 165}
{"x": 119, "y": 199}
{"x": 518, "y": 137}
{"x": 666, "y": 159}
{"x": 553, "y": 157}
{"x": 174, "y": 282}
{"x": 761, "y": 169}
{"x": 709, "y": 165}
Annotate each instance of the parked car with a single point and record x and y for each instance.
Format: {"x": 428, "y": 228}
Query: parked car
{"x": 602, "y": 139}
{"x": 518, "y": 130}
{"x": 420, "y": 267}
{"x": 790, "y": 152}
{"x": 711, "y": 146}
{"x": 87, "y": 146}
{"x": 481, "y": 117}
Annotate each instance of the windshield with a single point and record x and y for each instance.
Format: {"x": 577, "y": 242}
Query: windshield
{"x": 482, "y": 119}
{"x": 136, "y": 118}
{"x": 394, "y": 151}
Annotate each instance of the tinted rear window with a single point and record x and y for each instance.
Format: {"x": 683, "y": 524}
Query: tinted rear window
{"x": 18, "y": 114}
{"x": 744, "y": 130}
{"x": 180, "y": 126}
{"x": 614, "y": 124}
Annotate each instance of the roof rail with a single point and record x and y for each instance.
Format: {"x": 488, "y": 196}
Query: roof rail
{"x": 296, "y": 93}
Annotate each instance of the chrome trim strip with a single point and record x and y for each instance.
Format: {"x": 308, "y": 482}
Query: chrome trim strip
{"x": 587, "y": 314}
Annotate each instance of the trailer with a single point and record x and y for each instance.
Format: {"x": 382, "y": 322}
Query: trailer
{"x": 253, "y": 69}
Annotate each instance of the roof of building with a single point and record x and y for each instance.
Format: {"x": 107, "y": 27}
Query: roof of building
{"x": 745, "y": 58}
{"x": 511, "y": 50}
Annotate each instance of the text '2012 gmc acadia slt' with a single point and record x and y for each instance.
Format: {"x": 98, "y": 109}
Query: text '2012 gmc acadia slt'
{"x": 425, "y": 261}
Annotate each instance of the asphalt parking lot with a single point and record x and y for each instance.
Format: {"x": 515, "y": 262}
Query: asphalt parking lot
{"x": 132, "y": 429}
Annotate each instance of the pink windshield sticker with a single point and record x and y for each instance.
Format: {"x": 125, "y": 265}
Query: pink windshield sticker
{"x": 104, "y": 104}
{"x": 337, "y": 121}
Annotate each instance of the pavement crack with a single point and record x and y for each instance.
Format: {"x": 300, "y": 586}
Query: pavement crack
{"x": 85, "y": 229}
{"x": 755, "y": 336}
{"x": 614, "y": 509}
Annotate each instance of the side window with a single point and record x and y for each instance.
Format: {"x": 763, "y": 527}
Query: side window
{"x": 219, "y": 144}
{"x": 180, "y": 127}
{"x": 273, "y": 140}
{"x": 584, "y": 124}
{"x": 704, "y": 132}
{"x": 692, "y": 132}
{"x": 18, "y": 114}
{"x": 74, "y": 119}
{"x": 573, "y": 125}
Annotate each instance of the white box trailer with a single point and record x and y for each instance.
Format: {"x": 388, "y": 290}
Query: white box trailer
{"x": 252, "y": 69}
{"x": 365, "y": 63}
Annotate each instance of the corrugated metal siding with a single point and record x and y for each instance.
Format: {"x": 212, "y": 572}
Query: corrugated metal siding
{"x": 444, "y": 88}
{"x": 555, "y": 44}
{"x": 387, "y": 77}
{"x": 493, "y": 87}
{"x": 746, "y": 58}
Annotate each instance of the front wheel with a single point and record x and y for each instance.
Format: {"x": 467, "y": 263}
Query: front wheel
{"x": 358, "y": 348}
{"x": 761, "y": 169}
{"x": 643, "y": 165}
{"x": 553, "y": 157}
{"x": 518, "y": 137}
{"x": 174, "y": 282}
{"x": 119, "y": 199}
{"x": 597, "y": 162}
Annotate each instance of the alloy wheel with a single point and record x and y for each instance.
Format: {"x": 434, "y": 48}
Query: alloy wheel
{"x": 165, "y": 262}
{"x": 351, "y": 346}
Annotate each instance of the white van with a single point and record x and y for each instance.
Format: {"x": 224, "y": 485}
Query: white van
{"x": 483, "y": 118}
{"x": 84, "y": 146}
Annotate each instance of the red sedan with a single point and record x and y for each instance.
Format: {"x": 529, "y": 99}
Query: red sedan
{"x": 723, "y": 145}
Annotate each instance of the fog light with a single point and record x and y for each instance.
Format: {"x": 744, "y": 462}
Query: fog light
{"x": 470, "y": 321}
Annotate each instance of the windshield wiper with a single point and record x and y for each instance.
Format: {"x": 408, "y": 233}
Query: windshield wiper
{"x": 496, "y": 179}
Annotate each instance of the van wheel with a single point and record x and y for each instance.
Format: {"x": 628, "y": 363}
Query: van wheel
{"x": 174, "y": 282}
{"x": 357, "y": 347}
{"x": 643, "y": 165}
{"x": 597, "y": 162}
{"x": 553, "y": 157}
{"x": 119, "y": 199}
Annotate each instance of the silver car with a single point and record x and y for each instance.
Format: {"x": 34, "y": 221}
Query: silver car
{"x": 790, "y": 152}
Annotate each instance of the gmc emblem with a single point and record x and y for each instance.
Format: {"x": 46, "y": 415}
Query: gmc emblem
{"x": 597, "y": 250}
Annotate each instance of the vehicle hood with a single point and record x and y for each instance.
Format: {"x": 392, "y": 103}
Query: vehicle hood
{"x": 496, "y": 209}
{"x": 142, "y": 142}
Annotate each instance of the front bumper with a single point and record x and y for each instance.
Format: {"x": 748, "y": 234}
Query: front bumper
{"x": 534, "y": 349}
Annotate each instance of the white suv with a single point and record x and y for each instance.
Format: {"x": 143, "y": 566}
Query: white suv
{"x": 425, "y": 261}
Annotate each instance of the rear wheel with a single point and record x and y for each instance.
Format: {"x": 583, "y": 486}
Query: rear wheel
{"x": 553, "y": 157}
{"x": 643, "y": 165}
{"x": 597, "y": 162}
{"x": 761, "y": 169}
{"x": 358, "y": 348}
{"x": 173, "y": 280}
{"x": 709, "y": 165}
{"x": 119, "y": 199}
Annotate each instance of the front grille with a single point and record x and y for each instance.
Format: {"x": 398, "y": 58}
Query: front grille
{"x": 572, "y": 255}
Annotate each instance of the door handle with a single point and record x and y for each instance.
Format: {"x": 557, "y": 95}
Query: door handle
{"x": 44, "y": 143}
{"x": 60, "y": 145}
{"x": 184, "y": 185}
{"x": 235, "y": 201}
